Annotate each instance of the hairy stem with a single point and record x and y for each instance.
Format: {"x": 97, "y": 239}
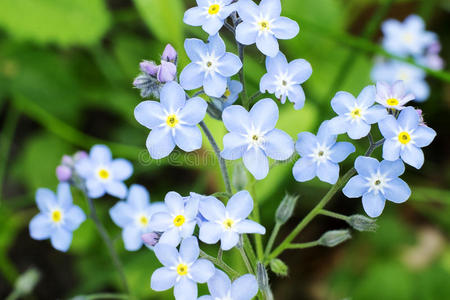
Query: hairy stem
{"x": 333, "y": 215}
{"x": 219, "y": 263}
{"x": 244, "y": 256}
{"x": 272, "y": 238}
{"x": 303, "y": 245}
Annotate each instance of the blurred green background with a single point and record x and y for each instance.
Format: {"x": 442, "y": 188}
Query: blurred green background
{"x": 66, "y": 72}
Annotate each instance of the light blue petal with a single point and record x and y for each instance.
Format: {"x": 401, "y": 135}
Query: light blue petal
{"x": 100, "y": 154}
{"x": 95, "y": 188}
{"x": 328, "y": 172}
{"x": 306, "y": 143}
{"x": 191, "y": 207}
{"x": 212, "y": 25}
{"x": 270, "y": 8}
{"x": 194, "y": 16}
{"x": 215, "y": 85}
{"x": 408, "y": 118}
{"x": 244, "y": 288}
{"x": 163, "y": 279}
{"x": 45, "y": 199}
{"x": 366, "y": 166}
{"x": 388, "y": 127}
{"x": 138, "y": 197}
{"x": 149, "y": 114}
{"x": 195, "y": 49}
{"x": 247, "y": 10}
{"x": 61, "y": 239}
{"x": 116, "y": 188}
{"x": 160, "y": 142}
{"x": 234, "y": 146}
{"x": 324, "y": 135}
{"x": 367, "y": 96}
{"x": 228, "y": 240}
{"x": 174, "y": 202}
{"x": 338, "y": 125}
{"x": 210, "y": 232}
{"x": 375, "y": 114}
{"x": 172, "y": 97}
{"x": 358, "y": 130}
{"x": 277, "y": 64}
{"x": 74, "y": 217}
{"x": 413, "y": 156}
{"x": 373, "y": 204}
{"x": 392, "y": 169}
{"x": 194, "y": 111}
{"x": 340, "y": 151}
{"x": 132, "y": 238}
{"x": 121, "y": 214}
{"x": 355, "y": 187}
{"x": 397, "y": 191}
{"x": 212, "y": 209}
{"x": 342, "y": 102}
{"x": 187, "y": 230}
{"x": 219, "y": 285}
{"x": 420, "y": 89}
{"x": 256, "y": 162}
{"x": 40, "y": 227}
{"x": 423, "y": 136}
{"x": 64, "y": 196}
{"x": 229, "y": 64}
{"x": 267, "y": 44}
{"x": 171, "y": 237}
{"x": 240, "y": 205}
{"x": 161, "y": 221}
{"x": 84, "y": 168}
{"x": 121, "y": 169}
{"x": 189, "y": 250}
{"x": 249, "y": 226}
{"x": 206, "y": 297}
{"x": 278, "y": 145}
{"x": 236, "y": 119}
{"x": 166, "y": 254}
{"x": 188, "y": 138}
{"x": 185, "y": 289}
{"x": 300, "y": 70}
{"x": 202, "y": 270}
{"x": 391, "y": 150}
{"x": 192, "y": 76}
{"x": 246, "y": 33}
{"x": 216, "y": 46}
{"x": 297, "y": 96}
{"x": 264, "y": 115}
{"x": 285, "y": 28}
{"x": 304, "y": 169}
{"x": 268, "y": 83}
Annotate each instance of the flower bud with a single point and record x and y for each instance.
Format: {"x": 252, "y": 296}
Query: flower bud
{"x": 80, "y": 155}
{"x": 26, "y": 282}
{"x": 149, "y": 67}
{"x": 286, "y": 208}
{"x": 67, "y": 160}
{"x": 148, "y": 85}
{"x": 151, "y": 238}
{"x": 278, "y": 267}
{"x": 334, "y": 237}
{"x": 240, "y": 179}
{"x": 263, "y": 280}
{"x": 362, "y": 223}
{"x": 63, "y": 173}
{"x": 169, "y": 54}
{"x": 167, "y": 72}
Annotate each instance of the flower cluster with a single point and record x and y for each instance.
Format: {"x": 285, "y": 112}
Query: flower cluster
{"x": 410, "y": 40}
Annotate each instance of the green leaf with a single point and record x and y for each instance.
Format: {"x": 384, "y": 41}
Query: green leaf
{"x": 65, "y": 22}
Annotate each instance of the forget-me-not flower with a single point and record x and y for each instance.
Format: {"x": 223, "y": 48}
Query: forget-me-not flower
{"x": 355, "y": 115}
{"x": 320, "y": 155}
{"x": 58, "y": 217}
{"x": 392, "y": 96}
{"x": 134, "y": 215}
{"x": 178, "y": 221}
{"x": 210, "y": 67}
{"x": 376, "y": 182}
{"x": 283, "y": 79}
{"x": 253, "y": 136}
{"x": 221, "y": 288}
{"x": 407, "y": 38}
{"x": 103, "y": 174}
{"x": 210, "y": 14}
{"x": 173, "y": 121}
{"x": 182, "y": 270}
{"x": 405, "y": 136}
{"x": 227, "y": 223}
{"x": 262, "y": 24}
{"x": 234, "y": 88}
{"x": 412, "y": 76}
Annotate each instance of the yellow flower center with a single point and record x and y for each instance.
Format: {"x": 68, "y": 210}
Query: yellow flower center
{"x": 356, "y": 113}
{"x": 213, "y": 9}
{"x": 264, "y": 26}
{"x": 182, "y": 269}
{"x": 228, "y": 223}
{"x": 172, "y": 121}
{"x": 404, "y": 137}
{"x": 227, "y": 93}
{"x": 103, "y": 174}
{"x": 56, "y": 216}
{"x": 392, "y": 102}
{"x": 143, "y": 220}
{"x": 179, "y": 220}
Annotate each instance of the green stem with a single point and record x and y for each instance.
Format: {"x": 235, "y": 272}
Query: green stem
{"x": 222, "y": 164}
{"x": 108, "y": 242}
{"x": 105, "y": 296}
{"x": 303, "y": 245}
{"x": 257, "y": 219}
{"x": 218, "y": 262}
{"x": 254, "y": 96}
{"x": 333, "y": 215}
{"x": 273, "y": 235}
{"x": 244, "y": 256}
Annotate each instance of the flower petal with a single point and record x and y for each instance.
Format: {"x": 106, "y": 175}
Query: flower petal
{"x": 174, "y": 202}
{"x": 328, "y": 172}
{"x": 132, "y": 238}
{"x": 61, "y": 239}
{"x": 74, "y": 217}
{"x": 160, "y": 142}
{"x": 375, "y": 114}
{"x": 366, "y": 166}
{"x": 304, "y": 169}
{"x": 285, "y": 28}
{"x": 210, "y": 232}
{"x": 247, "y": 10}
{"x": 194, "y": 111}
{"x": 244, "y": 288}
{"x": 163, "y": 279}
{"x": 149, "y": 114}
{"x": 392, "y": 169}
{"x": 306, "y": 143}
{"x": 171, "y": 237}
{"x": 194, "y": 16}
{"x": 100, "y": 154}
{"x": 161, "y": 221}
{"x": 166, "y": 254}
{"x": 121, "y": 214}
{"x": 240, "y": 205}
{"x": 256, "y": 162}
{"x": 121, "y": 169}
{"x": 270, "y": 8}
{"x": 234, "y": 146}
{"x": 195, "y": 49}
{"x": 397, "y": 191}
{"x": 229, "y": 64}
{"x": 423, "y": 136}
{"x": 246, "y": 33}
{"x": 338, "y": 125}
{"x": 367, "y": 96}
{"x": 300, "y": 70}
{"x": 267, "y": 44}
{"x": 358, "y": 130}
{"x": 215, "y": 85}
{"x": 264, "y": 115}
{"x": 355, "y": 187}
{"x": 391, "y": 150}
{"x": 40, "y": 227}
{"x": 185, "y": 289}
{"x": 189, "y": 250}
{"x": 408, "y": 118}
{"x": 212, "y": 25}
{"x": 278, "y": 145}
{"x": 219, "y": 285}
{"x": 342, "y": 102}
{"x": 188, "y": 138}
{"x": 138, "y": 197}
{"x": 340, "y": 151}
{"x": 202, "y": 270}
{"x": 116, "y": 188}
{"x": 212, "y": 209}
{"x": 413, "y": 156}
{"x": 228, "y": 240}
{"x": 388, "y": 127}
{"x": 172, "y": 97}
{"x": 249, "y": 226}
{"x": 373, "y": 204}
{"x": 192, "y": 76}
{"x": 236, "y": 119}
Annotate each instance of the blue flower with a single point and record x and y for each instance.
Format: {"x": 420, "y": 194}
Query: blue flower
{"x": 209, "y": 14}
{"x": 407, "y": 38}
{"x": 355, "y": 115}
{"x": 210, "y": 66}
{"x": 227, "y": 223}
{"x": 173, "y": 121}
{"x": 182, "y": 270}
{"x": 178, "y": 221}
{"x": 234, "y": 88}
{"x": 283, "y": 79}
{"x": 58, "y": 217}
{"x": 253, "y": 137}
{"x": 392, "y": 96}
{"x": 412, "y": 76}
{"x": 405, "y": 136}
{"x": 262, "y": 24}
{"x": 377, "y": 182}
{"x": 320, "y": 155}
{"x": 134, "y": 215}
{"x": 221, "y": 288}
{"x": 102, "y": 174}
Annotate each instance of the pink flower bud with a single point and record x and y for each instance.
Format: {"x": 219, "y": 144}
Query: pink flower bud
{"x": 63, "y": 173}
{"x": 80, "y": 155}
{"x": 151, "y": 238}
{"x": 169, "y": 54}
{"x": 167, "y": 72}
{"x": 149, "y": 67}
